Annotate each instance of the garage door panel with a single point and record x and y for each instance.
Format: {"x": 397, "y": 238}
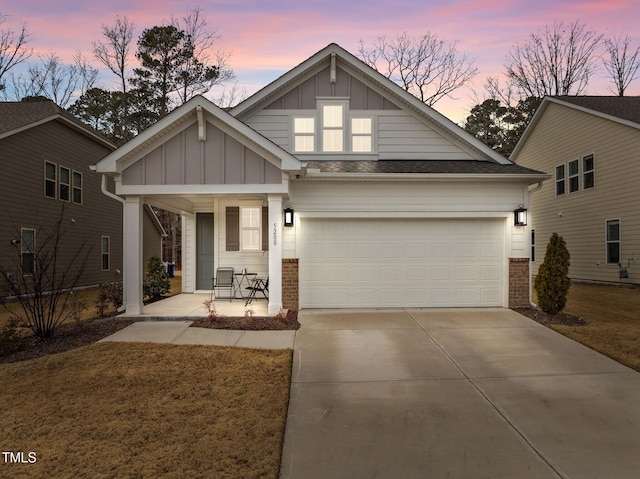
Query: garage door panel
{"x": 387, "y": 263}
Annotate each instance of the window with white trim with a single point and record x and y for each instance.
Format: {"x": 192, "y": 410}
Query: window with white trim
{"x": 250, "y": 231}
{"x": 105, "y": 252}
{"x": 613, "y": 241}
{"x": 50, "y": 179}
{"x": 588, "y": 172}
{"x": 560, "y": 180}
{"x": 361, "y": 135}
{"x": 77, "y": 188}
{"x": 574, "y": 176}
{"x": 64, "y": 183}
{"x": 28, "y": 250}
{"x": 304, "y": 134}
{"x": 332, "y": 127}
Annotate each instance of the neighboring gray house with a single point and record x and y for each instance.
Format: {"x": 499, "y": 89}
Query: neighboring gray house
{"x": 591, "y": 144}
{"x": 45, "y": 153}
{"x": 392, "y": 204}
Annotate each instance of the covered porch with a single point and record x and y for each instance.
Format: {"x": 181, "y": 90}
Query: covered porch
{"x": 228, "y": 183}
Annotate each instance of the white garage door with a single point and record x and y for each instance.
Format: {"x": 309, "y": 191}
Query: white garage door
{"x": 410, "y": 263}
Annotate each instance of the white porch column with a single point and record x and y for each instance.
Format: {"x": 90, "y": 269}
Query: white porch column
{"x": 275, "y": 253}
{"x": 133, "y": 256}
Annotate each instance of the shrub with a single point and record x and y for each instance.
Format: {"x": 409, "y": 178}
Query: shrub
{"x": 552, "y": 282}
{"x": 156, "y": 283}
{"x": 109, "y": 293}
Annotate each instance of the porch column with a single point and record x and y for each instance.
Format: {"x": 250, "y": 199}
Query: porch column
{"x": 275, "y": 253}
{"x": 133, "y": 256}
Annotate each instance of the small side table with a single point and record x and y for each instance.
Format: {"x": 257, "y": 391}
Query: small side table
{"x": 240, "y": 279}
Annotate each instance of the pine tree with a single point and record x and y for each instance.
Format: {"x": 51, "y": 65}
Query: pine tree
{"x": 552, "y": 282}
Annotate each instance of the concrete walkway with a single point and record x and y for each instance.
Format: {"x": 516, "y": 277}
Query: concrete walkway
{"x": 179, "y": 332}
{"x": 464, "y": 393}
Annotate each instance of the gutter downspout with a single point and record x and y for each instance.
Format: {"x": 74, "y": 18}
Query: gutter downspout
{"x": 533, "y": 305}
{"x": 103, "y": 187}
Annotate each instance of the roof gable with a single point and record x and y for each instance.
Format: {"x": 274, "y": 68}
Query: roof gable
{"x": 202, "y": 112}
{"x": 375, "y": 86}
{"x": 20, "y": 116}
{"x": 623, "y": 110}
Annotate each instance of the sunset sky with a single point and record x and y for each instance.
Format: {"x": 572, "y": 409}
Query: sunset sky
{"x": 267, "y": 38}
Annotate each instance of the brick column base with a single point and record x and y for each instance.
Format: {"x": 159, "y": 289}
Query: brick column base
{"x": 290, "y": 284}
{"x": 519, "y": 283}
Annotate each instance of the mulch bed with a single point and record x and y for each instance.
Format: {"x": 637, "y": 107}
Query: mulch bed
{"x": 255, "y": 323}
{"x": 563, "y": 319}
{"x": 66, "y": 337}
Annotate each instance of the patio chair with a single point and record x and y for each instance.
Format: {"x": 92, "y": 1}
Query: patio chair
{"x": 258, "y": 286}
{"x": 223, "y": 280}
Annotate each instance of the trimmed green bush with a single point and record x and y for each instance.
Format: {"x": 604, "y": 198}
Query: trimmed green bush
{"x": 552, "y": 282}
{"x": 156, "y": 283}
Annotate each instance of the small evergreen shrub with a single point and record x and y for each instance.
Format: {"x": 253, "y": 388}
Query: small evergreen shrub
{"x": 552, "y": 282}
{"x": 156, "y": 283}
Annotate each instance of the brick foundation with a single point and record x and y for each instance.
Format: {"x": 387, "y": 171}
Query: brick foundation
{"x": 290, "y": 284}
{"x": 518, "y": 282}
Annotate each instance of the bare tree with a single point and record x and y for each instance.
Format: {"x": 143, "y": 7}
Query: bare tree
{"x": 114, "y": 54}
{"x": 622, "y": 62}
{"x": 43, "y": 271}
{"x": 205, "y": 67}
{"x": 14, "y": 48}
{"x": 55, "y": 80}
{"x": 558, "y": 61}
{"x": 427, "y": 67}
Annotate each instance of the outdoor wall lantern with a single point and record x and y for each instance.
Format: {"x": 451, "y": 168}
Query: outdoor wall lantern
{"x": 288, "y": 216}
{"x": 520, "y": 216}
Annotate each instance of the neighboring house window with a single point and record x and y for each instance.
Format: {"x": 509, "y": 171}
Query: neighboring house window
{"x": 64, "y": 184}
{"x": 560, "y": 180}
{"x": 533, "y": 245}
{"x": 106, "y": 253}
{"x": 588, "y": 172}
{"x": 28, "y": 250}
{"x": 50, "y": 179}
{"x": 304, "y": 134}
{"x": 574, "y": 176}
{"x": 77, "y": 187}
{"x": 613, "y": 241}
{"x": 332, "y": 128}
{"x": 361, "y": 135}
{"x": 250, "y": 233}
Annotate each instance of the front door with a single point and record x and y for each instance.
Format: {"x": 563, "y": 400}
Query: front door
{"x": 204, "y": 250}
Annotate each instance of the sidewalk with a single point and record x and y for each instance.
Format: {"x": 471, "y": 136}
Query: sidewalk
{"x": 179, "y": 332}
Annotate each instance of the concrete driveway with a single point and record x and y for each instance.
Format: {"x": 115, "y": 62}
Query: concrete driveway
{"x": 459, "y": 393}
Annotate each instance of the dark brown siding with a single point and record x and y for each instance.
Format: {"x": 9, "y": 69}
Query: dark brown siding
{"x": 22, "y": 158}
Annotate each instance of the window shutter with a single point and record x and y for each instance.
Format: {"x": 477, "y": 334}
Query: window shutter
{"x": 233, "y": 228}
{"x": 265, "y": 228}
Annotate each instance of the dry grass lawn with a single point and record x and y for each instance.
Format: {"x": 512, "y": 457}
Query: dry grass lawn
{"x": 613, "y": 317}
{"x": 128, "y": 410}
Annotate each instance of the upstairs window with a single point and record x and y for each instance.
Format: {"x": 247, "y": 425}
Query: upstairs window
{"x": 304, "y": 134}
{"x": 332, "y": 128}
{"x": 588, "y": 172}
{"x": 64, "y": 184}
{"x": 560, "y": 180}
{"x": 361, "y": 134}
{"x": 574, "y": 176}
{"x": 613, "y": 241}
{"x": 50, "y": 179}
{"x": 77, "y": 188}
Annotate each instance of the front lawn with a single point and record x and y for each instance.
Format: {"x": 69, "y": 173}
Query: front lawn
{"x": 124, "y": 410}
{"x": 612, "y": 314}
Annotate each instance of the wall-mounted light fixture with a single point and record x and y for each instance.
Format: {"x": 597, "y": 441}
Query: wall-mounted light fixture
{"x": 288, "y": 216}
{"x": 520, "y": 216}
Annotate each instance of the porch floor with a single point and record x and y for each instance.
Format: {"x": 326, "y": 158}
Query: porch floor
{"x": 192, "y": 306}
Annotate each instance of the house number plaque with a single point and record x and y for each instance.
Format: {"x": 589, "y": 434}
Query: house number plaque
{"x": 275, "y": 234}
